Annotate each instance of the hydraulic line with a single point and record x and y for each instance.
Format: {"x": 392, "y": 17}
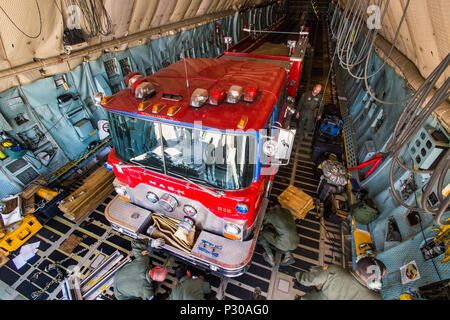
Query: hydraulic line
{"x": 333, "y": 24}
{"x": 361, "y": 56}
{"x": 415, "y": 112}
{"x": 355, "y": 36}
{"x": 411, "y": 120}
{"x": 344, "y": 23}
{"x": 349, "y": 66}
{"x": 350, "y": 36}
{"x": 333, "y": 19}
{"x": 95, "y": 15}
{"x": 409, "y": 114}
{"x": 366, "y": 77}
{"x": 334, "y": 55}
{"x": 363, "y": 47}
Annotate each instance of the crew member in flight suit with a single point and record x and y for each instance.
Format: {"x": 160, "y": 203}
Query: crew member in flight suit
{"x": 336, "y": 283}
{"x": 305, "y": 110}
{"x": 279, "y": 230}
{"x": 189, "y": 287}
{"x": 137, "y": 279}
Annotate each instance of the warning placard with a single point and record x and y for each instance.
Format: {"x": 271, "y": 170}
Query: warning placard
{"x": 410, "y": 272}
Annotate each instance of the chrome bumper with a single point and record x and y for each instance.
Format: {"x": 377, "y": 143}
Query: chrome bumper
{"x": 211, "y": 251}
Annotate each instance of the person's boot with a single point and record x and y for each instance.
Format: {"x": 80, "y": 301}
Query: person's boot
{"x": 298, "y": 276}
{"x": 269, "y": 259}
{"x": 287, "y": 260}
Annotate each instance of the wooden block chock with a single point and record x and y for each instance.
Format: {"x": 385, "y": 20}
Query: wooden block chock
{"x": 89, "y": 195}
{"x": 3, "y": 257}
{"x": 28, "y": 205}
{"x": 296, "y": 201}
{"x": 32, "y": 189}
{"x": 70, "y": 243}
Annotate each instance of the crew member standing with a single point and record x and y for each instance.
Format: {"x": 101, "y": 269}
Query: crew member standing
{"x": 137, "y": 279}
{"x": 305, "y": 110}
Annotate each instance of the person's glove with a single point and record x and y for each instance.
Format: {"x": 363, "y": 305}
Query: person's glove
{"x": 151, "y": 229}
{"x": 157, "y": 243}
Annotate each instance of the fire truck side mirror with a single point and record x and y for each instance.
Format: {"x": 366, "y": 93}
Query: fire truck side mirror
{"x": 98, "y": 96}
{"x": 279, "y": 147}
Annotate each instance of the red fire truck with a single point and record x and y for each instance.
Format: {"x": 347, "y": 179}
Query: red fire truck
{"x": 199, "y": 142}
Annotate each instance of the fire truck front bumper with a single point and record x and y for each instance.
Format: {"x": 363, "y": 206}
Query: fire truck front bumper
{"x": 210, "y": 251}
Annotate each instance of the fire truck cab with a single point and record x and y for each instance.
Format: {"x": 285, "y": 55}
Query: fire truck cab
{"x": 199, "y": 142}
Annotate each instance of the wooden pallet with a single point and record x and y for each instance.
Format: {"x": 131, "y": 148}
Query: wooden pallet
{"x": 89, "y": 195}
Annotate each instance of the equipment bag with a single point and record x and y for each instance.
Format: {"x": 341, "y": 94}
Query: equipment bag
{"x": 326, "y": 190}
{"x": 363, "y": 213}
{"x": 331, "y": 125}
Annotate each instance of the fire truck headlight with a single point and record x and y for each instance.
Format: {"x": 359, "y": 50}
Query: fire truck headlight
{"x": 232, "y": 229}
{"x": 199, "y": 98}
{"x": 235, "y": 230}
{"x": 121, "y": 190}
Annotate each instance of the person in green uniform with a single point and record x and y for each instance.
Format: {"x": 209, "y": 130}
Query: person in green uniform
{"x": 305, "y": 110}
{"x": 336, "y": 283}
{"x": 189, "y": 287}
{"x": 279, "y": 231}
{"x": 137, "y": 279}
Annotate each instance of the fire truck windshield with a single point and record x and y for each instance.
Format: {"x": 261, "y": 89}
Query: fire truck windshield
{"x": 216, "y": 159}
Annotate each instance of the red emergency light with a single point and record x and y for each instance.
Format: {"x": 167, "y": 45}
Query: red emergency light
{"x": 250, "y": 94}
{"x": 136, "y": 83}
{"x": 216, "y": 97}
{"x": 131, "y": 78}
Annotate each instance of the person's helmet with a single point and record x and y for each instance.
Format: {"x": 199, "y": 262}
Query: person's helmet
{"x": 406, "y": 296}
{"x": 158, "y": 274}
{"x": 371, "y": 271}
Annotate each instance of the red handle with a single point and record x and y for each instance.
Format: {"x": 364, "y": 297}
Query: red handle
{"x": 373, "y": 168}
